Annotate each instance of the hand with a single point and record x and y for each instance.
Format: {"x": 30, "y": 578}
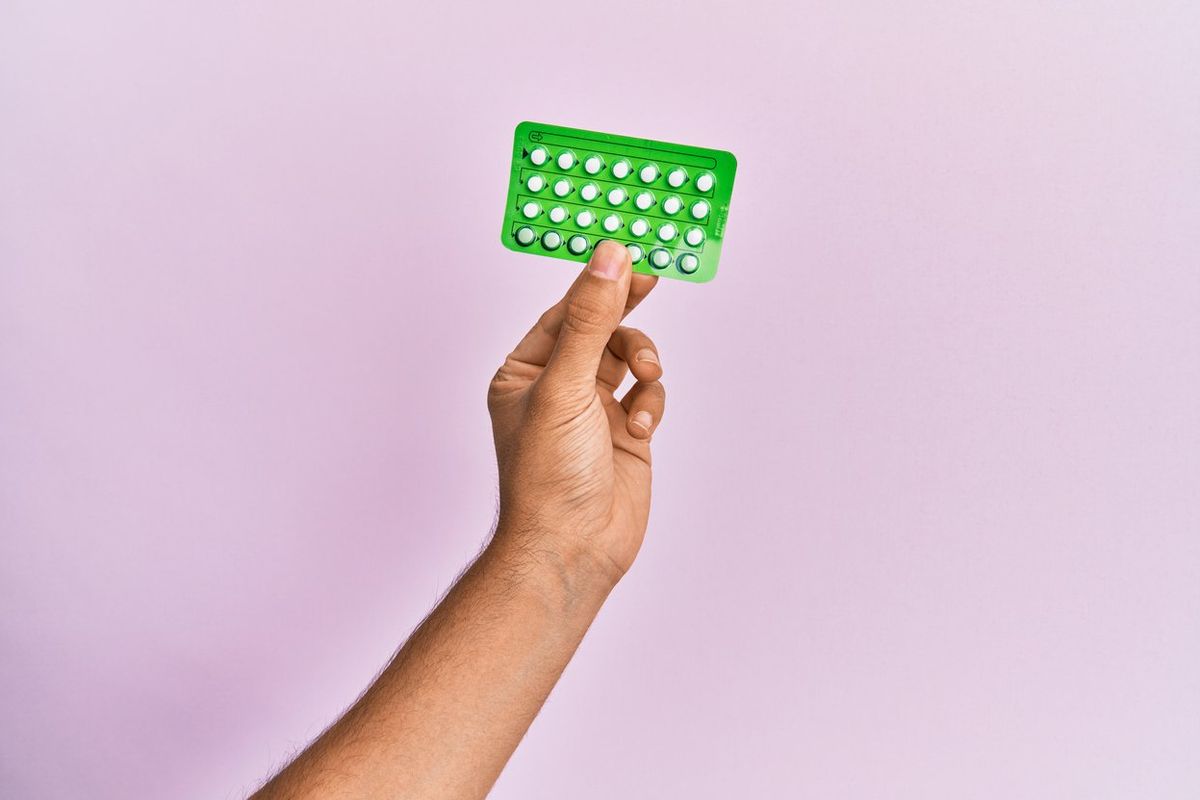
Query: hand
{"x": 574, "y": 462}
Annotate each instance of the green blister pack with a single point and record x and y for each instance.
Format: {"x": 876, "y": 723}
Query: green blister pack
{"x": 571, "y": 189}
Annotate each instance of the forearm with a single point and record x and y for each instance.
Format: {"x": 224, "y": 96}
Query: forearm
{"x": 444, "y": 717}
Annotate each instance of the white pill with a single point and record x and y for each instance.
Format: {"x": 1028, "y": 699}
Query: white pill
{"x": 639, "y": 227}
{"x": 688, "y": 263}
{"x": 526, "y": 236}
{"x": 558, "y": 214}
{"x": 562, "y": 187}
{"x": 643, "y": 200}
{"x": 531, "y": 210}
{"x": 612, "y": 223}
{"x": 593, "y": 165}
{"x": 694, "y": 236}
{"x": 536, "y": 183}
{"x": 589, "y": 192}
{"x": 566, "y": 159}
{"x": 672, "y": 205}
{"x": 699, "y": 209}
{"x": 666, "y": 231}
{"x": 577, "y": 244}
{"x": 585, "y": 218}
{"x": 551, "y": 240}
{"x": 660, "y": 258}
{"x": 616, "y": 196}
{"x": 635, "y": 253}
{"x": 539, "y": 156}
{"x": 704, "y": 181}
{"x": 620, "y": 170}
{"x": 676, "y": 178}
{"x": 648, "y": 173}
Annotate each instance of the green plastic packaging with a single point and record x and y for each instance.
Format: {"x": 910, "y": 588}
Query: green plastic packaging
{"x": 571, "y": 189}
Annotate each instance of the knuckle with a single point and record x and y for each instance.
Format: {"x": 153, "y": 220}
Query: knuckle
{"x": 588, "y": 314}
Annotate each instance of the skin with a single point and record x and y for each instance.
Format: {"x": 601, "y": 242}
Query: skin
{"x": 574, "y": 461}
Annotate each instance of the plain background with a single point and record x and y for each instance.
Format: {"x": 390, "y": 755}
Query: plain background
{"x": 927, "y": 497}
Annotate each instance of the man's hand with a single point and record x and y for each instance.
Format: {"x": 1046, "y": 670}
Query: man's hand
{"x": 574, "y": 461}
{"x": 443, "y": 718}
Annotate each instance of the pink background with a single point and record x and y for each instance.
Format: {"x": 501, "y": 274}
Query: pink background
{"x": 927, "y": 514}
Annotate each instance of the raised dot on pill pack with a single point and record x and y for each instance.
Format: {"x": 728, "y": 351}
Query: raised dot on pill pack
{"x": 539, "y": 155}
{"x": 699, "y": 209}
{"x": 639, "y": 227}
{"x": 643, "y": 200}
{"x": 525, "y": 236}
{"x": 612, "y": 223}
{"x": 562, "y": 187}
{"x": 589, "y": 192}
{"x": 660, "y": 258}
{"x": 593, "y": 164}
{"x": 688, "y": 263}
{"x": 566, "y": 159}
{"x": 676, "y": 178}
{"x": 666, "y": 231}
{"x": 672, "y": 205}
{"x": 694, "y": 236}
{"x": 536, "y": 183}
{"x": 648, "y": 173}
{"x": 635, "y": 252}
{"x": 585, "y": 218}
{"x": 620, "y": 169}
{"x": 531, "y": 210}
{"x": 616, "y": 196}
{"x": 551, "y": 240}
{"x": 704, "y": 182}
{"x": 558, "y": 215}
{"x": 577, "y": 244}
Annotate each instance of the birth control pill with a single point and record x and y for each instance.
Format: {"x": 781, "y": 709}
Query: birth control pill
{"x": 569, "y": 190}
{"x": 688, "y": 263}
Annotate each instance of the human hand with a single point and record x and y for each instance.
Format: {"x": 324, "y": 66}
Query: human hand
{"x": 574, "y": 461}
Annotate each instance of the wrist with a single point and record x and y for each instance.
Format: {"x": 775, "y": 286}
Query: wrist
{"x": 554, "y": 561}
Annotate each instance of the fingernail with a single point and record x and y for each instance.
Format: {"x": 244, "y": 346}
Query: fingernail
{"x": 643, "y": 420}
{"x": 647, "y": 355}
{"x": 607, "y": 260}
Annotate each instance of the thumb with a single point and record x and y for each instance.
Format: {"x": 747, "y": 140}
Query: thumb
{"x": 594, "y": 309}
